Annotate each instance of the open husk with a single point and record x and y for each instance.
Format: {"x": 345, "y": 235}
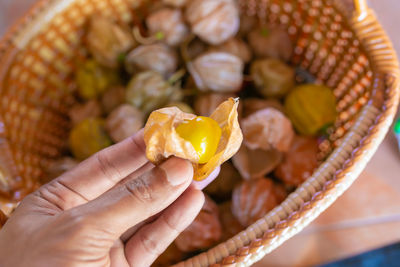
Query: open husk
{"x": 162, "y": 140}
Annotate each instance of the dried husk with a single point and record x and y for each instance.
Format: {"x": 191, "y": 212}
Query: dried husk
{"x": 107, "y": 41}
{"x": 170, "y": 23}
{"x": 256, "y": 163}
{"x": 252, "y": 105}
{"x": 221, "y": 188}
{"x": 272, "y": 77}
{"x": 80, "y": 112}
{"x": 267, "y": 129}
{"x": 234, "y": 46}
{"x": 162, "y": 140}
{"x": 204, "y": 231}
{"x": 271, "y": 42}
{"x": 299, "y": 162}
{"x": 7, "y": 206}
{"x": 205, "y": 104}
{"x": 157, "y": 57}
{"x": 123, "y": 122}
{"x": 217, "y": 71}
{"x": 213, "y": 21}
{"x": 253, "y": 199}
{"x": 113, "y": 98}
{"x": 149, "y": 91}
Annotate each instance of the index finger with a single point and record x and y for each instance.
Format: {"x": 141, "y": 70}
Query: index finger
{"x": 106, "y": 168}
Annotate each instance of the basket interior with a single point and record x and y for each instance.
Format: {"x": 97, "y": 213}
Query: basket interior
{"x": 36, "y": 87}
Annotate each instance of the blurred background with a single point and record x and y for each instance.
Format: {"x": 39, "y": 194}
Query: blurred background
{"x": 366, "y": 217}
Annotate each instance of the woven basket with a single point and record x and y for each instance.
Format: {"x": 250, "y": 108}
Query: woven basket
{"x": 344, "y": 49}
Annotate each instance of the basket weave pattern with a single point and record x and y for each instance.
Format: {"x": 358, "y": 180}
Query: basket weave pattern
{"x": 352, "y": 56}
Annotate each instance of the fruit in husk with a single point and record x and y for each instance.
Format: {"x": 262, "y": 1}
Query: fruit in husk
{"x": 311, "y": 108}
{"x": 299, "y": 162}
{"x": 253, "y": 199}
{"x": 153, "y": 57}
{"x": 272, "y": 77}
{"x": 169, "y": 23}
{"x": 213, "y": 21}
{"x": 267, "y": 129}
{"x": 217, "y": 71}
{"x": 162, "y": 139}
{"x": 148, "y": 91}
{"x": 113, "y": 98}
{"x": 88, "y": 137}
{"x": 107, "y": 41}
{"x": 93, "y": 79}
{"x": 123, "y": 122}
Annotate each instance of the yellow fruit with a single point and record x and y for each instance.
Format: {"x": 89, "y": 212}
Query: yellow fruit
{"x": 88, "y": 137}
{"x": 204, "y": 134}
{"x": 311, "y": 107}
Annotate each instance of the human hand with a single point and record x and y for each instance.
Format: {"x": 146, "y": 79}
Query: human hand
{"x": 114, "y": 209}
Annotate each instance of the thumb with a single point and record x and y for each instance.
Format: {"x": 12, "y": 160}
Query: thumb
{"x": 138, "y": 198}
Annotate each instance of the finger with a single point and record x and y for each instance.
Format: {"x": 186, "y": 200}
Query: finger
{"x": 151, "y": 240}
{"x": 117, "y": 255}
{"x": 200, "y": 185}
{"x": 97, "y": 174}
{"x": 106, "y": 168}
{"x": 137, "y": 199}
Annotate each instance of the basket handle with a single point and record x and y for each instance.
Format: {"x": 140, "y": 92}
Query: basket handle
{"x": 361, "y": 7}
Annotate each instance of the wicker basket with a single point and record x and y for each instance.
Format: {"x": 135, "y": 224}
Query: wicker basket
{"x": 345, "y": 50}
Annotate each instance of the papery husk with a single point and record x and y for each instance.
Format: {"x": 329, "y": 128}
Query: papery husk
{"x": 162, "y": 140}
{"x": 256, "y": 163}
{"x": 170, "y": 23}
{"x": 175, "y": 3}
{"x": 253, "y": 199}
{"x": 268, "y": 129}
{"x": 213, "y": 21}
{"x": 113, "y": 98}
{"x": 123, "y": 122}
{"x": 170, "y": 256}
{"x": 217, "y": 71}
{"x": 300, "y": 161}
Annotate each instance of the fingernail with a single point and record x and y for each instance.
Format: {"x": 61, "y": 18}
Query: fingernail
{"x": 200, "y": 185}
{"x": 178, "y": 170}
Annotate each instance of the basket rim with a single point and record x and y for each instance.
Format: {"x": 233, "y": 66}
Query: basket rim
{"x": 358, "y": 147}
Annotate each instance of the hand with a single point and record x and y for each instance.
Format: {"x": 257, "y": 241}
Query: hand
{"x": 114, "y": 209}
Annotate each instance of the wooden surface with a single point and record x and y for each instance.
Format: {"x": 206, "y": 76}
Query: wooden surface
{"x": 365, "y": 217}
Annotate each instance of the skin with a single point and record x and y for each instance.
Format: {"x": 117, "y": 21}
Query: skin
{"x": 114, "y": 209}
